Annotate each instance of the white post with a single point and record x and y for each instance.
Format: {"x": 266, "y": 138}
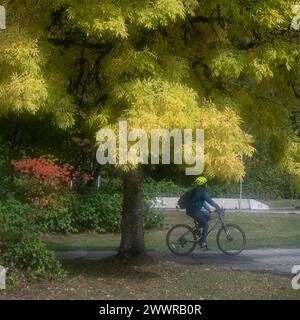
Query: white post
{"x": 98, "y": 181}
{"x": 2, "y": 278}
{"x": 2, "y": 18}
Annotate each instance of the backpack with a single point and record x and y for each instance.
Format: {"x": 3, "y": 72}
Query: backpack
{"x": 186, "y": 199}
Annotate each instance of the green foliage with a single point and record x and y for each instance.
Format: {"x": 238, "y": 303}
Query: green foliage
{"x": 58, "y": 217}
{"x": 153, "y": 218}
{"x": 95, "y": 210}
{"x": 16, "y": 221}
{"x": 291, "y": 161}
{"x": 4, "y": 168}
{"x": 99, "y": 211}
{"x": 22, "y": 250}
{"x": 277, "y": 184}
{"x": 12, "y": 278}
{"x": 32, "y": 256}
{"x": 102, "y": 18}
{"x": 162, "y": 188}
{"x": 110, "y": 185}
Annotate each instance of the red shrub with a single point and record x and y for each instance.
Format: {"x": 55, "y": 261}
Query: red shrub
{"x": 46, "y": 177}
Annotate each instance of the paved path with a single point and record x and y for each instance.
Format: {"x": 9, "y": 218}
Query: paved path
{"x": 271, "y": 211}
{"x": 261, "y": 260}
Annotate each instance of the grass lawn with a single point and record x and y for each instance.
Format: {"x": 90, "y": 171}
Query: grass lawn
{"x": 153, "y": 279}
{"x": 282, "y": 203}
{"x": 262, "y": 231}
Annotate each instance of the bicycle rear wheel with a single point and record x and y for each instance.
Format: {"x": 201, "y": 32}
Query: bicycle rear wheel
{"x": 231, "y": 239}
{"x": 181, "y": 239}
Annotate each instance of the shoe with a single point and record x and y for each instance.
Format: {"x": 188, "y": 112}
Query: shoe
{"x": 203, "y": 245}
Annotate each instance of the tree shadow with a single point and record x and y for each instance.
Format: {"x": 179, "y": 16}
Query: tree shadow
{"x": 113, "y": 267}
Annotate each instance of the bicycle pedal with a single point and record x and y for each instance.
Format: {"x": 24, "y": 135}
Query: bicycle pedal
{"x": 203, "y": 245}
{"x": 205, "y": 248}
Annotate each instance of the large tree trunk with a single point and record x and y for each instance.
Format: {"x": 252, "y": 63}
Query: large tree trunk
{"x": 132, "y": 240}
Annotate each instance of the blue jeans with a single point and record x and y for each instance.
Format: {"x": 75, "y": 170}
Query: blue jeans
{"x": 202, "y": 218}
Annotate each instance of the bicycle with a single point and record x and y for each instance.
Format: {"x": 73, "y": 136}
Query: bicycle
{"x": 231, "y": 238}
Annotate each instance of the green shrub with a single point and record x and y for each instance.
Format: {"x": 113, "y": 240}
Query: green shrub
{"x": 22, "y": 250}
{"x": 112, "y": 185}
{"x": 15, "y": 221}
{"x": 58, "y": 217}
{"x": 102, "y": 212}
{"x": 162, "y": 188}
{"x": 99, "y": 211}
{"x": 262, "y": 181}
{"x": 32, "y": 257}
{"x": 153, "y": 218}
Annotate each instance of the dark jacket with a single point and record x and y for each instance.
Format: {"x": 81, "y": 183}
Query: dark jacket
{"x": 200, "y": 197}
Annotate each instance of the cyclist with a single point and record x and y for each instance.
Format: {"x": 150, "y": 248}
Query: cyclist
{"x": 198, "y": 202}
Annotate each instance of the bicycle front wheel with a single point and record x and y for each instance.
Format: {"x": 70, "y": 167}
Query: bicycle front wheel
{"x": 181, "y": 239}
{"x": 231, "y": 239}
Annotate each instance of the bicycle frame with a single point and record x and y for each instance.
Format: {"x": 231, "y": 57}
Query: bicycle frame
{"x": 198, "y": 227}
{"x": 219, "y": 222}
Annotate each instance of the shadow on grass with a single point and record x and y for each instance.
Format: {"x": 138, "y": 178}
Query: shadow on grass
{"x": 113, "y": 267}
{"x": 73, "y": 247}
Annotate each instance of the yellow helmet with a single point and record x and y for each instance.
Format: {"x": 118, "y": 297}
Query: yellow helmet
{"x": 200, "y": 181}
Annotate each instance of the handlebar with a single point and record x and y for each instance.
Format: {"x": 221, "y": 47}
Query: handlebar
{"x": 221, "y": 212}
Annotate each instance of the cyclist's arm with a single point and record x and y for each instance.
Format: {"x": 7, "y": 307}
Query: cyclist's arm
{"x": 206, "y": 207}
{"x": 210, "y": 201}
